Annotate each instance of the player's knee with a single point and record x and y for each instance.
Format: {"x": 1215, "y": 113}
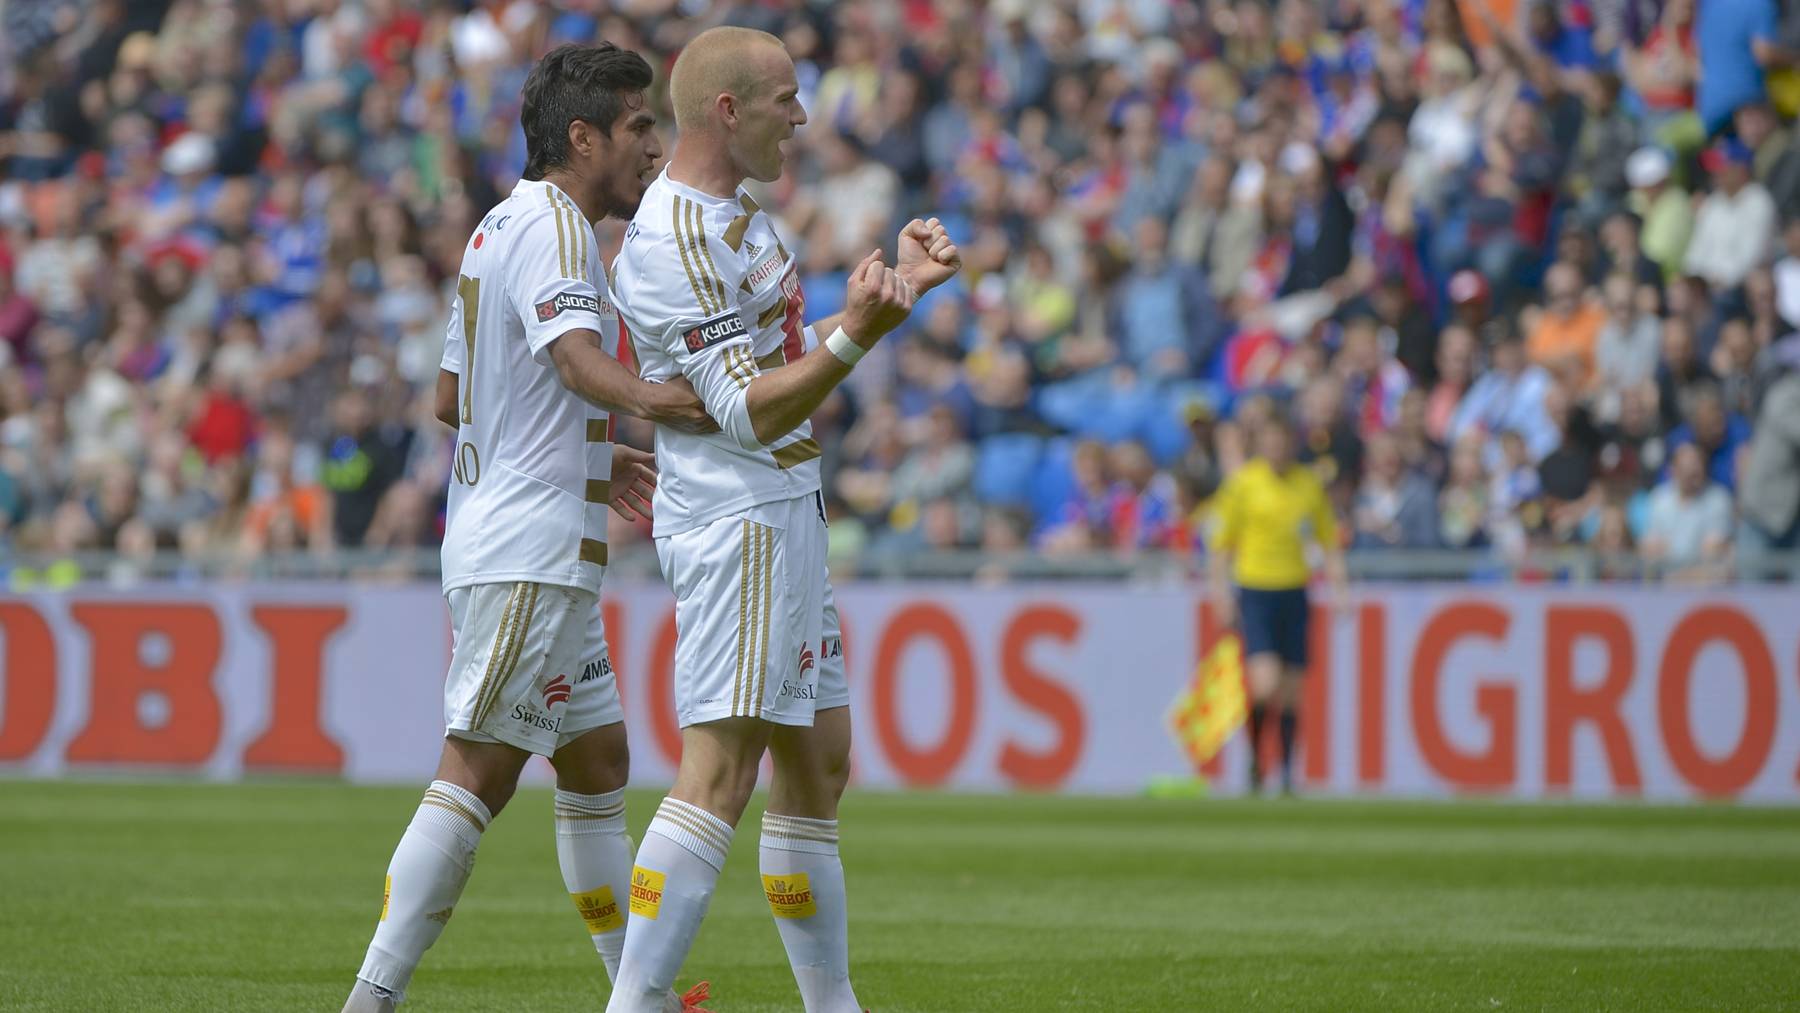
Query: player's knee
{"x": 833, "y": 773}
{"x": 595, "y": 771}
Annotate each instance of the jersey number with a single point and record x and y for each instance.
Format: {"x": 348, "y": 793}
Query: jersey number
{"x": 467, "y": 467}
{"x": 469, "y": 291}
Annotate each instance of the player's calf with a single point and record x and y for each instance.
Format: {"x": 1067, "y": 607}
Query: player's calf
{"x": 802, "y": 875}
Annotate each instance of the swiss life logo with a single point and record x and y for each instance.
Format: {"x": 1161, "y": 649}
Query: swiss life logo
{"x": 557, "y": 691}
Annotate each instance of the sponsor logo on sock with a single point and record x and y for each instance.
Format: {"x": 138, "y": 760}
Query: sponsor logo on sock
{"x": 790, "y": 895}
{"x": 599, "y": 910}
{"x": 557, "y": 691}
{"x": 646, "y": 891}
{"x": 441, "y": 917}
{"x": 387, "y": 893}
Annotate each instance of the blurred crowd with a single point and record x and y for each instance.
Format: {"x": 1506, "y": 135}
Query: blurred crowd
{"x": 1523, "y": 274}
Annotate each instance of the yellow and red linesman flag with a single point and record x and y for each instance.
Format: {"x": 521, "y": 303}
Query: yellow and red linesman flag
{"x": 1212, "y": 707}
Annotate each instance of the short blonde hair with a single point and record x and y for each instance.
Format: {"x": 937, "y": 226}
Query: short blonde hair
{"x": 713, "y": 63}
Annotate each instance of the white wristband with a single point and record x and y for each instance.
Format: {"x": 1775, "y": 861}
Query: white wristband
{"x": 847, "y": 351}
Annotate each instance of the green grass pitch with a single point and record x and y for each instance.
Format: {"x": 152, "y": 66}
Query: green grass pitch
{"x": 133, "y": 896}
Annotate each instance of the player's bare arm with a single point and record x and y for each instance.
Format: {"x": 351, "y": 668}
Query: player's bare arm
{"x": 633, "y": 478}
{"x": 443, "y": 403}
{"x": 585, "y": 368}
{"x": 778, "y": 401}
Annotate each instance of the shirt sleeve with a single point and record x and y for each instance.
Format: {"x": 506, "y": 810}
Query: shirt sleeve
{"x": 547, "y": 277}
{"x": 694, "y": 306}
{"x": 452, "y": 362}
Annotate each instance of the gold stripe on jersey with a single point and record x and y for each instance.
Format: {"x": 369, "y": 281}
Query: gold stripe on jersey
{"x": 599, "y": 490}
{"x": 515, "y": 646}
{"x": 797, "y": 452}
{"x": 596, "y": 430}
{"x": 562, "y": 242}
{"x": 708, "y": 270}
{"x": 527, "y": 615}
{"x": 768, "y": 586}
{"x": 776, "y": 358}
{"x": 497, "y": 651}
{"x": 579, "y": 223}
{"x": 734, "y": 233}
{"x": 737, "y": 678}
{"x": 706, "y": 305}
{"x": 592, "y": 549}
{"x": 752, "y": 538}
{"x": 775, "y": 312}
{"x": 737, "y": 365}
{"x": 578, "y": 260}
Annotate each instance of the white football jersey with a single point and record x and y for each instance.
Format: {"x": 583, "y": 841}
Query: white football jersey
{"x": 529, "y": 485}
{"x": 708, "y": 291}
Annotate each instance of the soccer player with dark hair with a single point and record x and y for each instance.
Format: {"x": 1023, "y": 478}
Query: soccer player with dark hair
{"x": 1263, "y": 518}
{"x": 530, "y": 380}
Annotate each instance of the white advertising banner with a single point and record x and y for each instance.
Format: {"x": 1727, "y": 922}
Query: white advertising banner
{"x": 1416, "y": 690}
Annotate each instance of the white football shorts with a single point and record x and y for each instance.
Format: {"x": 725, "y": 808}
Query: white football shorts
{"x": 756, "y": 628}
{"x": 529, "y": 666}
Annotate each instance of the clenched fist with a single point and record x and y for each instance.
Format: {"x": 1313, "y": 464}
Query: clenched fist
{"x": 878, "y": 300}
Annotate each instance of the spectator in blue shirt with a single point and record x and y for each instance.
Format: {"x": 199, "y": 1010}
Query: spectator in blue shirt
{"x": 1717, "y": 433}
{"x": 1736, "y": 41}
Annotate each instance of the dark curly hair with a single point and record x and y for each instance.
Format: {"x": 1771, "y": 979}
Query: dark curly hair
{"x": 570, "y": 83}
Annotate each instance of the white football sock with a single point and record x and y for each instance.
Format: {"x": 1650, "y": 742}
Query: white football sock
{"x": 595, "y": 854}
{"x": 424, "y": 880}
{"x": 671, "y": 887}
{"x": 803, "y": 879}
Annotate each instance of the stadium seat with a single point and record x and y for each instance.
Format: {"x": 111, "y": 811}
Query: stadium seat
{"x": 1005, "y": 466}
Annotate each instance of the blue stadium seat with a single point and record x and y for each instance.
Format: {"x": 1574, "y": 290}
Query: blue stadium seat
{"x": 1004, "y": 468}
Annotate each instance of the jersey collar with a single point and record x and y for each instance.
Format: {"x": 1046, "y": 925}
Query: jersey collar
{"x": 700, "y": 197}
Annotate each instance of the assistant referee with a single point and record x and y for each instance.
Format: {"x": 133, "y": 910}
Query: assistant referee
{"x": 1263, "y": 518}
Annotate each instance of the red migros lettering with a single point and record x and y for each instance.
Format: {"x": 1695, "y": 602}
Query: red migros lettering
{"x": 1731, "y": 773}
{"x": 1315, "y": 700}
{"x": 1371, "y": 695}
{"x": 1598, "y": 706}
{"x": 923, "y": 765}
{"x": 1032, "y": 689}
{"x": 1497, "y": 765}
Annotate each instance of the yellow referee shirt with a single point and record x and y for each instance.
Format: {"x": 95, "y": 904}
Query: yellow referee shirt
{"x": 1264, "y": 520}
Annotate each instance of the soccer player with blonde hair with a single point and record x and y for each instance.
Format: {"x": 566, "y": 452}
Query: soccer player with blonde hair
{"x": 710, "y": 292}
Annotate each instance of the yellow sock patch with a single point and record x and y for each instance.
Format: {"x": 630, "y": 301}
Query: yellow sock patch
{"x": 387, "y": 893}
{"x": 599, "y": 910}
{"x": 646, "y": 891}
{"x": 790, "y": 895}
